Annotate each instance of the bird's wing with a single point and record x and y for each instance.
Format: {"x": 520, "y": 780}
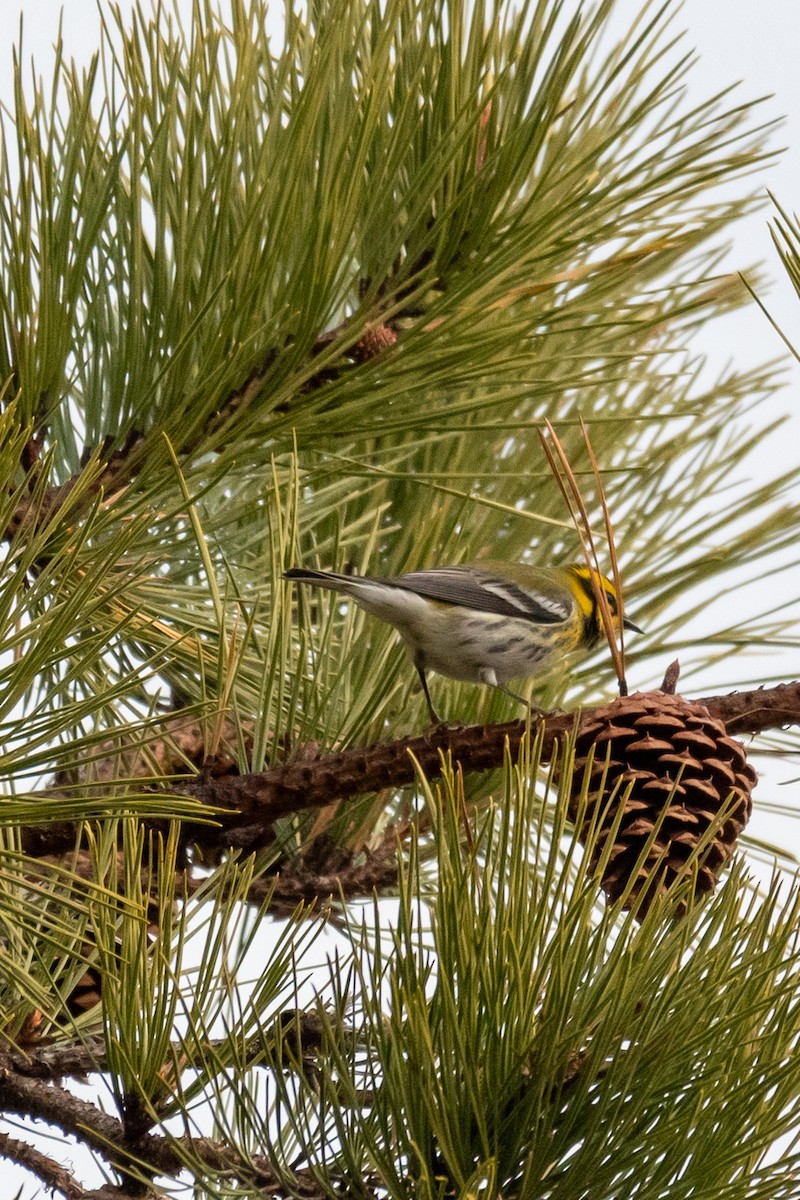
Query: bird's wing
{"x": 483, "y": 591}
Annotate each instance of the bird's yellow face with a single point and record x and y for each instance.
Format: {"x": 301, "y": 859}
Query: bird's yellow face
{"x": 583, "y": 590}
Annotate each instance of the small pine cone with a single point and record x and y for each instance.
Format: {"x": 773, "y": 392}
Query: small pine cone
{"x": 667, "y": 751}
{"x": 376, "y": 339}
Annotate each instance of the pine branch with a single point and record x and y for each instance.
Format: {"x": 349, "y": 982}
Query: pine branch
{"x": 72, "y": 1115}
{"x": 31, "y": 513}
{"x": 376, "y": 338}
{"x": 54, "y": 1177}
{"x": 338, "y": 878}
{"x": 43, "y": 1062}
{"x": 247, "y": 805}
{"x": 107, "y": 1136}
{"x": 121, "y": 466}
{"x": 55, "y": 1062}
{"x": 260, "y": 799}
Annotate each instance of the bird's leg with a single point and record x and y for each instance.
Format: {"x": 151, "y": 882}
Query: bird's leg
{"x": 435, "y": 718}
{"x": 488, "y": 676}
{"x": 534, "y": 710}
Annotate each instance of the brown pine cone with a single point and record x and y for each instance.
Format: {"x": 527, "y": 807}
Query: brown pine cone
{"x": 679, "y": 774}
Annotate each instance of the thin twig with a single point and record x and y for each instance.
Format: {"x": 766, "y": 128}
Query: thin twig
{"x": 150, "y": 1152}
{"x": 61, "y": 1060}
{"x": 54, "y": 1177}
{"x": 560, "y": 466}
{"x": 618, "y": 630}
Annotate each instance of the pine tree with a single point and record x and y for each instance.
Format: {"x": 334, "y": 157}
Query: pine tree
{"x": 314, "y": 302}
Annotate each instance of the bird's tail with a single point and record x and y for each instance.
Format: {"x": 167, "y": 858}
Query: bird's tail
{"x": 325, "y": 579}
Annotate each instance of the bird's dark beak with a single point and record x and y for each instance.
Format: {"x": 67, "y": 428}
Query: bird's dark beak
{"x": 626, "y": 624}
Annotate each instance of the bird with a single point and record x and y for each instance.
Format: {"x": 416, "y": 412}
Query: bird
{"x": 487, "y": 622}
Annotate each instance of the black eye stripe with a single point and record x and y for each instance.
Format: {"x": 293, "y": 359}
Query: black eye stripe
{"x": 584, "y": 579}
{"x": 586, "y": 583}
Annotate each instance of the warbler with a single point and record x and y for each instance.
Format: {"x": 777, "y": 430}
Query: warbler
{"x": 487, "y": 622}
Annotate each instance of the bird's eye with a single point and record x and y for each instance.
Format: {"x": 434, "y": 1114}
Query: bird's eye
{"x": 612, "y": 603}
